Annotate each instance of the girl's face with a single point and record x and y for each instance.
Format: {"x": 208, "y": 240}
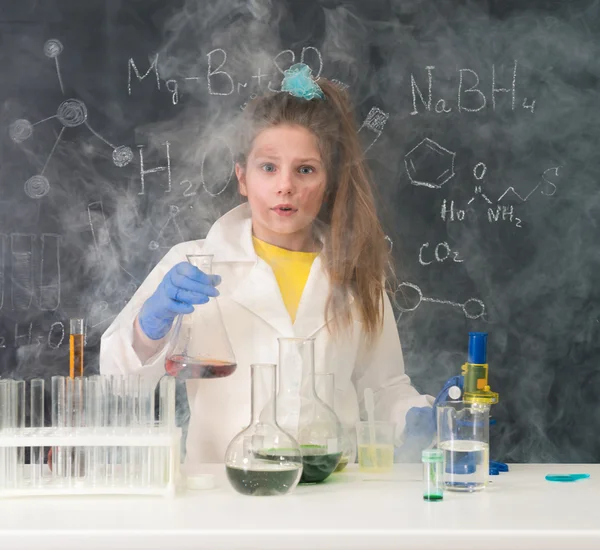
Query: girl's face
{"x": 284, "y": 180}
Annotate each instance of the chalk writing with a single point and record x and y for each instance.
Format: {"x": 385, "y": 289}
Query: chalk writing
{"x": 50, "y": 284}
{"x": 171, "y": 221}
{"x": 21, "y": 249}
{"x": 544, "y": 180}
{"x": 472, "y": 308}
{"x": 145, "y": 171}
{"x": 428, "y": 164}
{"x": 373, "y": 125}
{"x": 441, "y": 254}
{"x": 470, "y": 97}
{"x": 70, "y": 113}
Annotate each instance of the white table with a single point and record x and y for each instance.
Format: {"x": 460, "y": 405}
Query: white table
{"x": 520, "y": 509}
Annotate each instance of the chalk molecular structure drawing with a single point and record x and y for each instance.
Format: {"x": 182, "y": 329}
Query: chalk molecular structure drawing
{"x": 428, "y": 164}
{"x": 478, "y": 304}
{"x": 172, "y": 219}
{"x": 70, "y": 113}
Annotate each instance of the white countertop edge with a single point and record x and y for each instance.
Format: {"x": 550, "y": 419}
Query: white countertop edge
{"x": 271, "y": 539}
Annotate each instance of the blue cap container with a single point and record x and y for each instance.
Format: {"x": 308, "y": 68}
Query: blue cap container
{"x": 478, "y": 348}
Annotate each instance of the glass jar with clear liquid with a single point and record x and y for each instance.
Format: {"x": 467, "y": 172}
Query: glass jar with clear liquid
{"x": 199, "y": 346}
{"x": 463, "y": 435}
{"x": 303, "y": 415}
{"x": 263, "y": 460}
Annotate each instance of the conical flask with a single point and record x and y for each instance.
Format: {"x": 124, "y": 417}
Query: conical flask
{"x": 262, "y": 459}
{"x": 325, "y": 388}
{"x": 199, "y": 345}
{"x": 302, "y": 414}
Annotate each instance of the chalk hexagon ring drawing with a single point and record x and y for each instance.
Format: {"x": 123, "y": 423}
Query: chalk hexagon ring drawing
{"x": 428, "y": 164}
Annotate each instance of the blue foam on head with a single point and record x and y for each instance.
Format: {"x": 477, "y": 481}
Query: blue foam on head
{"x": 477, "y": 348}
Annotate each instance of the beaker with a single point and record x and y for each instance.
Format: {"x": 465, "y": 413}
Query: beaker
{"x": 463, "y": 435}
{"x": 325, "y": 388}
{"x": 199, "y": 346}
{"x": 263, "y": 460}
{"x": 375, "y": 442}
{"x": 302, "y": 414}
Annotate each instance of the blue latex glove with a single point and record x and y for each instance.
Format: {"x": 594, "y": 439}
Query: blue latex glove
{"x": 183, "y": 286}
{"x": 421, "y": 422}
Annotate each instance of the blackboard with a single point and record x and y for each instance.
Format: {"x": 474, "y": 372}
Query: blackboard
{"x": 480, "y": 121}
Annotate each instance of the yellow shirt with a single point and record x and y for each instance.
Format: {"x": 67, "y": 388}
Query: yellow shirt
{"x": 290, "y": 268}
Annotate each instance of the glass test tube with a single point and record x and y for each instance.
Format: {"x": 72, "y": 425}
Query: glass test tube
{"x": 11, "y": 424}
{"x": 76, "y": 347}
{"x": 116, "y": 422}
{"x": 69, "y": 391}
{"x": 78, "y": 423}
{"x": 166, "y": 422}
{"x": 133, "y": 411}
{"x": 92, "y": 420}
{"x": 166, "y": 405}
{"x": 36, "y": 404}
{"x": 58, "y": 423}
{"x": 21, "y": 415}
{"x": 4, "y": 404}
{"x": 105, "y": 395}
{"x": 146, "y": 426}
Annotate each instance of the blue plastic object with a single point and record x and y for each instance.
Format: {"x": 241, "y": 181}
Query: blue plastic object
{"x": 466, "y": 465}
{"x": 566, "y": 478}
{"x": 477, "y": 348}
{"x": 442, "y": 397}
{"x": 499, "y": 466}
{"x": 182, "y": 287}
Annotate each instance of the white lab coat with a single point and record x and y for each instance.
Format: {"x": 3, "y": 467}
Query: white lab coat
{"x": 255, "y": 316}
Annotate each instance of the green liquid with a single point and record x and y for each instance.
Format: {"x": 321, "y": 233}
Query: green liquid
{"x": 433, "y": 497}
{"x": 263, "y": 482}
{"x": 317, "y": 463}
{"x": 343, "y": 463}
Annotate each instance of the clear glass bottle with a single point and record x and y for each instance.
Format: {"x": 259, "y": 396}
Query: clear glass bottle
{"x": 199, "y": 346}
{"x": 325, "y": 388}
{"x": 433, "y": 478}
{"x": 262, "y": 459}
{"x": 302, "y": 414}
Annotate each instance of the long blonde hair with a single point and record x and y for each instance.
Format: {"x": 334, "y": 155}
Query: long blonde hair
{"x": 355, "y": 254}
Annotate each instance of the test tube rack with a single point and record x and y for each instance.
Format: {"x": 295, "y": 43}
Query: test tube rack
{"x": 104, "y": 437}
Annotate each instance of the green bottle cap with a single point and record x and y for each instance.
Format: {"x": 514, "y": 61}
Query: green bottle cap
{"x": 432, "y": 455}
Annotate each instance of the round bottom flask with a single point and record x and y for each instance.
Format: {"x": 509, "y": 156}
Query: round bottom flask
{"x": 301, "y": 413}
{"x": 263, "y": 460}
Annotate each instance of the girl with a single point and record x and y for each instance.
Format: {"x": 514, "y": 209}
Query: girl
{"x": 304, "y": 256}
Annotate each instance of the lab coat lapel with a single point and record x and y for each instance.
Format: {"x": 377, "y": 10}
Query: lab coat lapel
{"x": 230, "y": 241}
{"x": 310, "y": 317}
{"x": 259, "y": 293}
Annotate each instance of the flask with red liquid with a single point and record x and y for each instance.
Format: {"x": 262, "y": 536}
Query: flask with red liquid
{"x": 199, "y": 346}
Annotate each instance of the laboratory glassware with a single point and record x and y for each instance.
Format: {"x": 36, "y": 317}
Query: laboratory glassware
{"x": 76, "y": 343}
{"x": 199, "y": 346}
{"x": 375, "y": 441}
{"x": 262, "y": 459}
{"x": 463, "y": 435}
{"x": 303, "y": 415}
{"x": 325, "y": 388}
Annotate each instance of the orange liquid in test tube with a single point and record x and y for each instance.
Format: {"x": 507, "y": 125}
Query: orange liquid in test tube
{"x": 76, "y": 348}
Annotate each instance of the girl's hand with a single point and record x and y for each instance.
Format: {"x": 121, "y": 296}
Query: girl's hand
{"x": 182, "y": 287}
